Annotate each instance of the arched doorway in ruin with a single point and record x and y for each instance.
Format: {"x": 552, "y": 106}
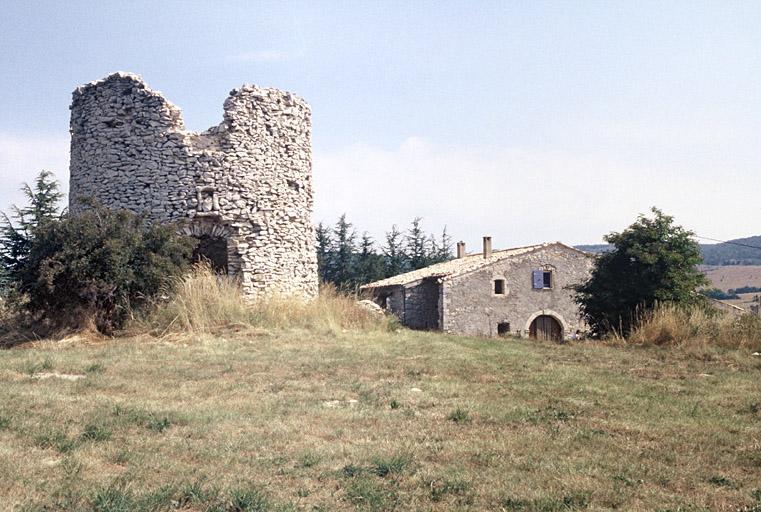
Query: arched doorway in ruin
{"x": 213, "y": 244}
{"x": 546, "y": 328}
{"x": 212, "y": 250}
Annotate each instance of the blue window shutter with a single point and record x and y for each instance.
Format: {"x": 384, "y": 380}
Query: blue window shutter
{"x": 537, "y": 277}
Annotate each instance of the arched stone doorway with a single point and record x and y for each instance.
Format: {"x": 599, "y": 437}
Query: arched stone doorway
{"x": 212, "y": 250}
{"x": 213, "y": 244}
{"x": 547, "y": 328}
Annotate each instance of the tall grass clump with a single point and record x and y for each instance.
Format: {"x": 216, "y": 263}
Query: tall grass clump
{"x": 202, "y": 302}
{"x": 697, "y": 325}
{"x": 199, "y": 301}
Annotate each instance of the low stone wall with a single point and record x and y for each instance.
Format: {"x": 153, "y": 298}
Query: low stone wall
{"x": 421, "y": 306}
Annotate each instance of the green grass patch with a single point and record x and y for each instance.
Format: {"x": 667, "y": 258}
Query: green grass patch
{"x": 37, "y": 366}
{"x": 574, "y": 501}
{"x": 371, "y": 495}
{"x": 459, "y": 416}
{"x": 391, "y": 466}
{"x": 96, "y": 432}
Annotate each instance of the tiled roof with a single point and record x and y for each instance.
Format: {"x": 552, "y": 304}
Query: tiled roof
{"x": 459, "y": 266}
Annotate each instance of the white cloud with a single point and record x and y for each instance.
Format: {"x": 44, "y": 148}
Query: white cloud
{"x": 518, "y": 196}
{"x": 23, "y": 157}
{"x": 521, "y": 196}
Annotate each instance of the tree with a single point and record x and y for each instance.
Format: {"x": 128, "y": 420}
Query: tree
{"x": 370, "y": 265}
{"x": 97, "y": 266}
{"x": 652, "y": 261}
{"x": 346, "y": 264}
{"x": 416, "y": 245}
{"x": 393, "y": 253}
{"x": 324, "y": 250}
{"x": 16, "y": 238}
{"x": 342, "y": 267}
{"x": 440, "y": 250}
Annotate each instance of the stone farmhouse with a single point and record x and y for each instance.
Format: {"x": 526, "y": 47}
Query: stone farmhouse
{"x": 525, "y": 291}
{"x": 243, "y": 187}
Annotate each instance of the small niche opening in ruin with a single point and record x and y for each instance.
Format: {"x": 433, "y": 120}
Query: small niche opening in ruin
{"x": 208, "y": 202}
{"x": 294, "y": 185}
{"x": 503, "y": 328}
{"x": 212, "y": 250}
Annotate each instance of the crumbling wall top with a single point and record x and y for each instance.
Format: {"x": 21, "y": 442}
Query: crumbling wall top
{"x": 237, "y": 107}
{"x": 246, "y": 180}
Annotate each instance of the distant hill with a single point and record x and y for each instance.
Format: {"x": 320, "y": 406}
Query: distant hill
{"x": 594, "y": 248}
{"x": 727, "y": 253}
{"x": 731, "y": 254}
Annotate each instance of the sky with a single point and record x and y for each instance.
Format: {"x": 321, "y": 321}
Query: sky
{"x": 529, "y": 121}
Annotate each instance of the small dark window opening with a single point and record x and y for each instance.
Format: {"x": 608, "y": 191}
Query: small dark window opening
{"x": 548, "y": 279}
{"x": 213, "y": 250}
{"x": 499, "y": 287}
{"x": 503, "y": 328}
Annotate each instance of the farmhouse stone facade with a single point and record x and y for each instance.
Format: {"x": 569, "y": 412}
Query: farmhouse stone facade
{"x": 244, "y": 187}
{"x": 523, "y": 292}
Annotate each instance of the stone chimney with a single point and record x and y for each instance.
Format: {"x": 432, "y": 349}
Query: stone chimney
{"x": 461, "y": 249}
{"x": 487, "y": 247}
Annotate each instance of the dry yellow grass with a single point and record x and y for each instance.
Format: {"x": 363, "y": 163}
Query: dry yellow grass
{"x": 302, "y": 420}
{"x": 674, "y": 325}
{"x": 203, "y": 302}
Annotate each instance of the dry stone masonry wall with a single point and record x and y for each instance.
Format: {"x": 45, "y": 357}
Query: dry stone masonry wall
{"x": 247, "y": 181}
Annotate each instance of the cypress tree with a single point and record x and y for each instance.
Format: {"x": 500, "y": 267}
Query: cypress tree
{"x": 324, "y": 251}
{"x": 416, "y": 245}
{"x": 342, "y": 268}
{"x": 393, "y": 253}
{"x": 440, "y": 250}
{"x": 369, "y": 263}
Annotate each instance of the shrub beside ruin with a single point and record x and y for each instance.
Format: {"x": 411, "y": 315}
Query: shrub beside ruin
{"x": 92, "y": 269}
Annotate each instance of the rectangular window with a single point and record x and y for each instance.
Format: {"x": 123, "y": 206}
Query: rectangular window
{"x": 503, "y": 328}
{"x": 541, "y": 279}
{"x": 499, "y": 287}
{"x": 547, "y": 279}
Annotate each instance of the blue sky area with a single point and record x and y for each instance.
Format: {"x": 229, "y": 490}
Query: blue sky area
{"x": 529, "y": 121}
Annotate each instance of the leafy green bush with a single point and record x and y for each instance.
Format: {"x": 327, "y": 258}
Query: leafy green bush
{"x": 94, "y": 267}
{"x": 652, "y": 261}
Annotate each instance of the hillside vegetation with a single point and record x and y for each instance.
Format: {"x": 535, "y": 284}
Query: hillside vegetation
{"x": 325, "y": 419}
{"x": 732, "y": 254}
{"x": 726, "y": 253}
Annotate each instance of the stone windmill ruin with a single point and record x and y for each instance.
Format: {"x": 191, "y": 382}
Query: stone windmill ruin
{"x": 243, "y": 188}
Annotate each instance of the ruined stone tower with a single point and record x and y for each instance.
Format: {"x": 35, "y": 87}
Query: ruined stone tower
{"x": 243, "y": 188}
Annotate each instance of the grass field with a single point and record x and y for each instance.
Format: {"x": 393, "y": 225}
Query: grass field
{"x": 293, "y": 420}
